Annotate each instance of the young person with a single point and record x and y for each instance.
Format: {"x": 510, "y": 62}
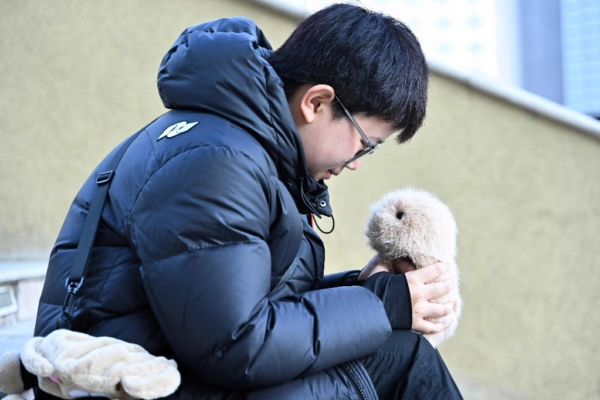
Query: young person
{"x": 210, "y": 206}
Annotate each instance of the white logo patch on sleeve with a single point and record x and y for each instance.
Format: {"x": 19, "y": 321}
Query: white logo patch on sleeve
{"x": 177, "y": 129}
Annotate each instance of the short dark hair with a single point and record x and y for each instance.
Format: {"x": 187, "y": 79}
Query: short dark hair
{"x": 373, "y": 61}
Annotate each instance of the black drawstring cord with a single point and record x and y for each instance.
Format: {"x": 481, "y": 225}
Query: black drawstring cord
{"x": 332, "y": 226}
{"x": 306, "y": 201}
{"x": 314, "y": 211}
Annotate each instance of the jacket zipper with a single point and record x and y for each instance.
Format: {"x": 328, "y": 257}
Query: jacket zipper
{"x": 361, "y": 379}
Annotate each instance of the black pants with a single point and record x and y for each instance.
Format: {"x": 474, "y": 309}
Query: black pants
{"x": 408, "y": 367}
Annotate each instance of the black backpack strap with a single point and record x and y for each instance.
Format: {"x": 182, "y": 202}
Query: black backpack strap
{"x": 88, "y": 235}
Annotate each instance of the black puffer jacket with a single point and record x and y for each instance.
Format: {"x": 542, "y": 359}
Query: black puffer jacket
{"x": 200, "y": 226}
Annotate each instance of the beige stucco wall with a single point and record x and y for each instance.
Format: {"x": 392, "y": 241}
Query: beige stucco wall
{"x": 77, "y": 77}
{"x": 525, "y": 192}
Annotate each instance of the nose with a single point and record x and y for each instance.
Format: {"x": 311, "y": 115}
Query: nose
{"x": 354, "y": 165}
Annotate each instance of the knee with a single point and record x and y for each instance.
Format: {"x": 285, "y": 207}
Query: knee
{"x": 410, "y": 344}
{"x": 407, "y": 338}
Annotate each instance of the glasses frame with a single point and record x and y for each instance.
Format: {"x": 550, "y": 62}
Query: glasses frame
{"x": 370, "y": 147}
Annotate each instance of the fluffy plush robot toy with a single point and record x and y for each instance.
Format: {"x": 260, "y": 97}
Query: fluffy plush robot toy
{"x": 415, "y": 225}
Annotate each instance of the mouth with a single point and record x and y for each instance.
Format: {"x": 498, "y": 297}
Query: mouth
{"x": 329, "y": 174}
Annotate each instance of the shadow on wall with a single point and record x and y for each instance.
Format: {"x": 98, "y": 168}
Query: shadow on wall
{"x": 73, "y": 88}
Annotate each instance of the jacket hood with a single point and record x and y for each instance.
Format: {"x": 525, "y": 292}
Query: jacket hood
{"x": 220, "y": 67}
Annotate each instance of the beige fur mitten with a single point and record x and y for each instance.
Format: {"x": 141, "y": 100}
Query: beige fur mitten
{"x": 72, "y": 364}
{"x": 11, "y": 381}
{"x": 416, "y": 225}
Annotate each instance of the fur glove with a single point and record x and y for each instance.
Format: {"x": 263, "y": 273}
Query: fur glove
{"x": 415, "y": 225}
{"x": 10, "y": 375}
{"x": 72, "y": 364}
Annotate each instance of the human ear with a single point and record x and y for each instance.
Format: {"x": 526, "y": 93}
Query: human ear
{"x": 316, "y": 101}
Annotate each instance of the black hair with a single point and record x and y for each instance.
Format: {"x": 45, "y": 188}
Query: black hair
{"x": 373, "y": 62}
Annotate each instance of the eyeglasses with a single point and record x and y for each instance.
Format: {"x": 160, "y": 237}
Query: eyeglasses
{"x": 369, "y": 147}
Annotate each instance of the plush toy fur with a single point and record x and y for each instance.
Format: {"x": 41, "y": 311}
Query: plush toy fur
{"x": 415, "y": 225}
{"x": 72, "y": 364}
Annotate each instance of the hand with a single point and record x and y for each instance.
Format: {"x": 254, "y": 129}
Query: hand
{"x": 374, "y": 266}
{"x": 422, "y": 290}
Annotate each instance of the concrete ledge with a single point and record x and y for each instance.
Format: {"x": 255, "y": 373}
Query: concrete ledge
{"x": 521, "y": 98}
{"x": 14, "y": 271}
{"x": 294, "y": 11}
{"x": 25, "y": 279}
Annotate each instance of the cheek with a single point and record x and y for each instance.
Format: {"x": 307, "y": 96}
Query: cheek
{"x": 336, "y": 147}
{"x": 318, "y": 162}
{"x": 332, "y": 157}
{"x": 346, "y": 147}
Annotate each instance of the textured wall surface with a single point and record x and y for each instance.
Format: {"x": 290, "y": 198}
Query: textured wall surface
{"x": 76, "y": 78}
{"x": 525, "y": 192}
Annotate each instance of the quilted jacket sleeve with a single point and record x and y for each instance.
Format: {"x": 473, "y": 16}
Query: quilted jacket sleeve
{"x": 200, "y": 226}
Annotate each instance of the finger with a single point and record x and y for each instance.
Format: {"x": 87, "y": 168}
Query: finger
{"x": 428, "y": 273}
{"x": 425, "y": 327}
{"x": 436, "y": 290}
{"x": 432, "y": 310}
